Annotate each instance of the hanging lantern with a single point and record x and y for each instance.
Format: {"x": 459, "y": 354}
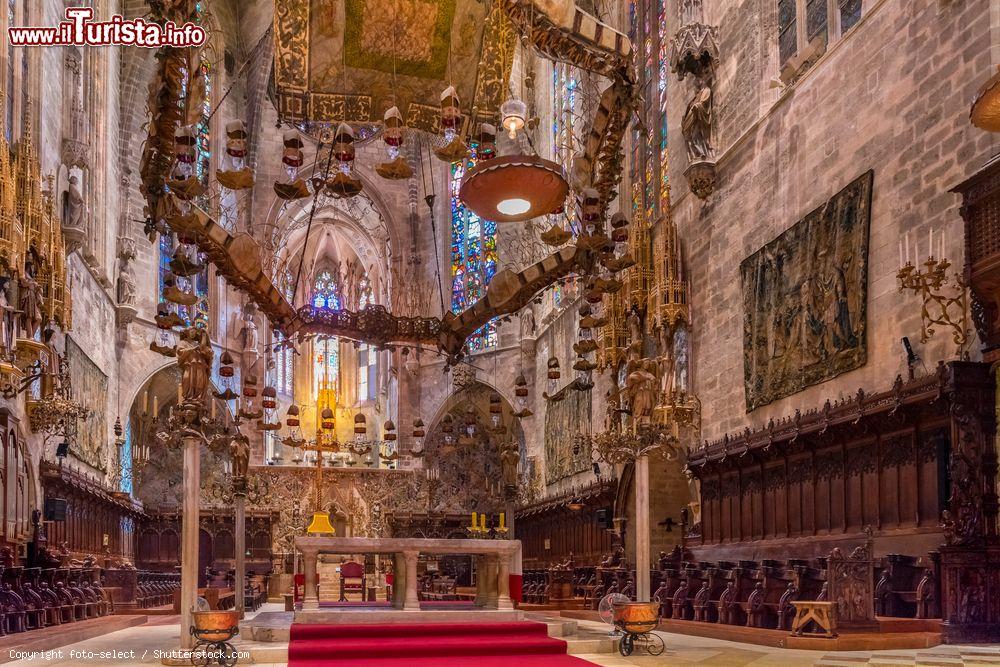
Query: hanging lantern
{"x": 290, "y": 186}
{"x": 360, "y": 427}
{"x": 393, "y": 132}
{"x": 521, "y": 396}
{"x": 451, "y": 122}
{"x": 226, "y": 369}
{"x": 292, "y": 416}
{"x": 514, "y": 188}
{"x": 343, "y": 184}
{"x": 555, "y": 236}
{"x": 327, "y": 420}
{"x": 390, "y": 431}
{"x": 470, "y": 422}
{"x": 418, "y": 438}
{"x": 496, "y": 409}
{"x": 250, "y": 386}
{"x": 185, "y": 261}
{"x": 184, "y": 181}
{"x": 514, "y": 114}
{"x": 553, "y": 374}
{"x": 235, "y": 174}
{"x": 486, "y": 139}
{"x": 269, "y": 399}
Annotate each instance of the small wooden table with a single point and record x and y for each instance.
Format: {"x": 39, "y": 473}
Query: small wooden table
{"x": 822, "y": 614}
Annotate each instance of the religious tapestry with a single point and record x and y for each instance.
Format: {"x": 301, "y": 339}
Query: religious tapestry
{"x": 403, "y": 53}
{"x": 805, "y": 299}
{"x": 563, "y": 419}
{"x": 90, "y": 389}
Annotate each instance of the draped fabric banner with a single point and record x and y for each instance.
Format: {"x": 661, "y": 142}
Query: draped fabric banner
{"x": 402, "y": 53}
{"x": 805, "y": 299}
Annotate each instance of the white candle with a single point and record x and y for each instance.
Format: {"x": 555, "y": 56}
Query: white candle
{"x": 901, "y": 252}
{"x": 156, "y": 405}
{"x": 906, "y": 238}
{"x": 145, "y": 401}
{"x": 941, "y": 244}
{"x": 930, "y": 242}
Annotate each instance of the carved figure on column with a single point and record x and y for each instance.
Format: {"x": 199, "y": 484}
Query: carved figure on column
{"x": 30, "y": 298}
{"x": 640, "y": 385}
{"x": 694, "y": 51}
{"x": 239, "y": 451}
{"x": 250, "y": 336}
{"x": 194, "y": 356}
{"x": 8, "y": 317}
{"x": 74, "y": 207}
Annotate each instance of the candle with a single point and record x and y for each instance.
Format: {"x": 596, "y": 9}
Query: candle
{"x": 502, "y": 519}
{"x": 145, "y": 401}
{"x": 482, "y": 521}
{"x": 906, "y": 238}
{"x": 213, "y": 409}
{"x": 156, "y": 405}
{"x": 474, "y": 524}
{"x": 180, "y": 395}
{"x": 930, "y": 242}
{"x": 901, "y": 252}
{"x": 941, "y": 245}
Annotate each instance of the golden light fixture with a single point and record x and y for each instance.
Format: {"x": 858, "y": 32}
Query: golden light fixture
{"x": 985, "y": 112}
{"x": 514, "y": 188}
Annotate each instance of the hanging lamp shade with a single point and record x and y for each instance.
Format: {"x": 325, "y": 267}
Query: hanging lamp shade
{"x": 390, "y": 431}
{"x": 292, "y": 416}
{"x": 514, "y": 114}
{"x": 320, "y": 524}
{"x": 418, "y": 428}
{"x": 360, "y": 427}
{"x": 327, "y": 419}
{"x": 986, "y": 109}
{"x": 514, "y": 188}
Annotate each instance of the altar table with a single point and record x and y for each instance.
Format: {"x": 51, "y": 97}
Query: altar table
{"x": 493, "y": 563}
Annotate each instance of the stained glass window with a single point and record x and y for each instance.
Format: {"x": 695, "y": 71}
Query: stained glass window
{"x": 282, "y": 375}
{"x": 473, "y": 256}
{"x": 365, "y": 296}
{"x": 326, "y": 369}
{"x": 850, "y": 14}
{"x": 787, "y": 36}
{"x": 648, "y": 164}
{"x": 9, "y": 101}
{"x": 326, "y": 292}
{"x": 125, "y": 483}
{"x": 367, "y": 372}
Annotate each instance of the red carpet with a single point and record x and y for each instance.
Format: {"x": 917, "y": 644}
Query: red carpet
{"x": 427, "y": 645}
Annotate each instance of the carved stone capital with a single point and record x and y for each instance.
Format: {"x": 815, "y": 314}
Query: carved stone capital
{"x": 74, "y": 153}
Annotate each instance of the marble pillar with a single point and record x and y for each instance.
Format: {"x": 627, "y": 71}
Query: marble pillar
{"x": 503, "y": 582}
{"x": 398, "y": 580}
{"x": 642, "y": 529}
{"x": 481, "y": 581}
{"x": 411, "y": 601}
{"x": 490, "y": 575}
{"x": 310, "y": 595}
{"x": 240, "y": 501}
{"x": 189, "y": 535}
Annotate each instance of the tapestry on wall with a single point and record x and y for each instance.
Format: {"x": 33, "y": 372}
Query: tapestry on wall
{"x": 402, "y": 53}
{"x": 563, "y": 420}
{"x": 90, "y": 389}
{"x": 805, "y": 299}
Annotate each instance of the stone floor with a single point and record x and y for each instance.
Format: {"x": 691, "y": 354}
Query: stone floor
{"x": 146, "y": 644}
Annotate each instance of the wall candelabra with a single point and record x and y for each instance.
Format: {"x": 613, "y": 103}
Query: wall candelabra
{"x": 945, "y": 302}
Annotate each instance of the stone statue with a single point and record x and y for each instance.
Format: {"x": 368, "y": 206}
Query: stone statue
{"x": 239, "y": 451}
{"x": 74, "y": 208}
{"x": 126, "y": 286}
{"x": 528, "y": 322}
{"x": 666, "y": 360}
{"x": 194, "y": 356}
{"x": 634, "y": 326}
{"x": 696, "y": 126}
{"x": 250, "y": 336}
{"x": 640, "y": 385}
{"x": 509, "y": 459}
{"x": 31, "y": 299}
{"x": 679, "y": 381}
{"x": 8, "y": 318}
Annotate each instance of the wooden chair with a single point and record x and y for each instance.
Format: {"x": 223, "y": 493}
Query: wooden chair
{"x": 356, "y": 572}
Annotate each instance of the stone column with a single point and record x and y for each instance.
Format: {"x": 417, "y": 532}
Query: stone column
{"x": 310, "y": 595}
{"x": 481, "y": 581}
{"x": 503, "y": 582}
{"x": 490, "y": 577}
{"x": 398, "y": 580}
{"x": 241, "y": 547}
{"x": 411, "y": 602}
{"x": 189, "y": 535}
{"x": 642, "y": 529}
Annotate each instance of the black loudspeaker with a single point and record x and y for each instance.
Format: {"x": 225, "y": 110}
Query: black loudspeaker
{"x": 55, "y": 509}
{"x": 604, "y": 518}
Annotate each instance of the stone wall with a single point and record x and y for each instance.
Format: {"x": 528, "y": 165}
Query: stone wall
{"x": 891, "y": 95}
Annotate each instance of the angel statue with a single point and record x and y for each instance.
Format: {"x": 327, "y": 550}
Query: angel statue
{"x": 640, "y": 386}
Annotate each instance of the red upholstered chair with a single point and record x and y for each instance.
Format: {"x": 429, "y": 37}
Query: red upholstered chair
{"x": 300, "y": 583}
{"x": 356, "y": 573}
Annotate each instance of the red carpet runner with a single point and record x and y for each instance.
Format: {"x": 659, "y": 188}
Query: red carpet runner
{"x": 427, "y": 645}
